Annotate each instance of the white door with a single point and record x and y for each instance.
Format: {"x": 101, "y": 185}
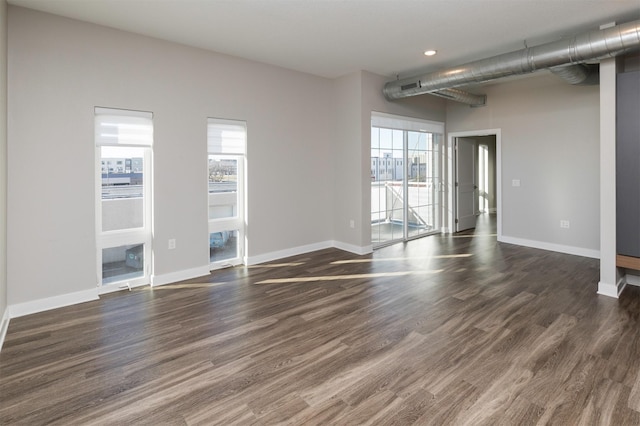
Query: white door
{"x": 466, "y": 187}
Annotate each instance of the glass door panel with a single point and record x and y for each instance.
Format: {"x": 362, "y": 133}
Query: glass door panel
{"x": 423, "y": 184}
{"x": 387, "y": 177}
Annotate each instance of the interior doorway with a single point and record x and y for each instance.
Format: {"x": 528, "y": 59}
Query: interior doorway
{"x": 474, "y": 176}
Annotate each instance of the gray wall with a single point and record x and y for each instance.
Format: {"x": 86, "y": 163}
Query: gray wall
{"x": 3, "y": 158}
{"x": 628, "y": 164}
{"x": 550, "y": 142}
{"x": 59, "y": 69}
{"x": 308, "y": 148}
{"x": 357, "y": 95}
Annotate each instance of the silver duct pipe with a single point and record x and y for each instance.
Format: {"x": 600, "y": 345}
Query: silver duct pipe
{"x": 461, "y": 96}
{"x": 590, "y": 46}
{"x": 580, "y": 74}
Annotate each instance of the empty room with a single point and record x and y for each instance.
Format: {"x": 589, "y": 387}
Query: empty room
{"x": 319, "y": 212}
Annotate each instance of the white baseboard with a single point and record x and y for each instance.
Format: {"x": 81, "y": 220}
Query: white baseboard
{"x": 577, "y": 251}
{"x": 611, "y": 290}
{"x": 112, "y": 288}
{"x": 280, "y": 254}
{"x": 633, "y": 280}
{"x": 295, "y": 251}
{"x": 21, "y": 309}
{"x": 353, "y": 249}
{"x": 174, "y": 277}
{"x": 4, "y": 326}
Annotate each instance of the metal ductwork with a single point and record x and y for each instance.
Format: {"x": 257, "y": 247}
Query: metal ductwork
{"x": 461, "y": 96}
{"x": 566, "y": 57}
{"x": 581, "y": 74}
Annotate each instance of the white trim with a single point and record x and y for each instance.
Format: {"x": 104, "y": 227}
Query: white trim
{"x": 400, "y": 122}
{"x": 281, "y": 254}
{"x": 4, "y": 326}
{"x": 127, "y": 236}
{"x": 120, "y": 286}
{"x": 352, "y": 248}
{"x": 174, "y": 277}
{"x": 450, "y": 183}
{"x": 633, "y": 280}
{"x": 41, "y": 305}
{"x": 611, "y": 290}
{"x": 122, "y": 112}
{"x": 577, "y": 251}
{"x": 607, "y": 183}
{"x": 294, "y": 251}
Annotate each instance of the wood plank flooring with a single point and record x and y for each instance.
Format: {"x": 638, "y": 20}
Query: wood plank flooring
{"x": 443, "y": 330}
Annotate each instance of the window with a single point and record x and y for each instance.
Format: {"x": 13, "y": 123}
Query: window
{"x": 123, "y": 197}
{"x": 226, "y": 140}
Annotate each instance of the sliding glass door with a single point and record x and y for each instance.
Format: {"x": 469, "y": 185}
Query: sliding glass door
{"x": 405, "y": 179}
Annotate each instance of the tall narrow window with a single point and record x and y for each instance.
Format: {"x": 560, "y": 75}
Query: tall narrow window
{"x": 123, "y": 195}
{"x": 405, "y": 178}
{"x": 226, "y": 140}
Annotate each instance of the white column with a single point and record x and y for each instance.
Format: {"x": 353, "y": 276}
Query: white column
{"x": 611, "y": 282}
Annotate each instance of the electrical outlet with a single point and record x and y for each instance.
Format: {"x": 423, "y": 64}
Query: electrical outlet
{"x": 565, "y": 224}
{"x": 172, "y": 243}
{"x": 352, "y": 223}
{"x": 515, "y": 182}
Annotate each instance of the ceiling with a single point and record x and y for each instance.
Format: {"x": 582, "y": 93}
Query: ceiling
{"x": 331, "y": 38}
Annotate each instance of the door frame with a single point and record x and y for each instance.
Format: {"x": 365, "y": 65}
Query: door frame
{"x": 452, "y": 173}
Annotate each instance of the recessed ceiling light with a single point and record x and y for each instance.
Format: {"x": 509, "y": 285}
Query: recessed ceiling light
{"x": 430, "y": 52}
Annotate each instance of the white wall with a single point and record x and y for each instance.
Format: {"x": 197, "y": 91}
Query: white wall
{"x": 3, "y": 164}
{"x": 550, "y": 142}
{"x": 59, "y": 69}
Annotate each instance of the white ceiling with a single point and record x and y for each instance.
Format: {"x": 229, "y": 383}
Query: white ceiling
{"x": 331, "y": 38}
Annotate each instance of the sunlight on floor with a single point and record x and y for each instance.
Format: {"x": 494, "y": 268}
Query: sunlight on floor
{"x": 394, "y": 259}
{"x": 186, "y": 286}
{"x": 471, "y": 236}
{"x": 276, "y": 265}
{"x": 345, "y": 277}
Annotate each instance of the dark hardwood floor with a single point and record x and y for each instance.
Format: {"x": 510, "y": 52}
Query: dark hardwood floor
{"x": 442, "y": 330}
